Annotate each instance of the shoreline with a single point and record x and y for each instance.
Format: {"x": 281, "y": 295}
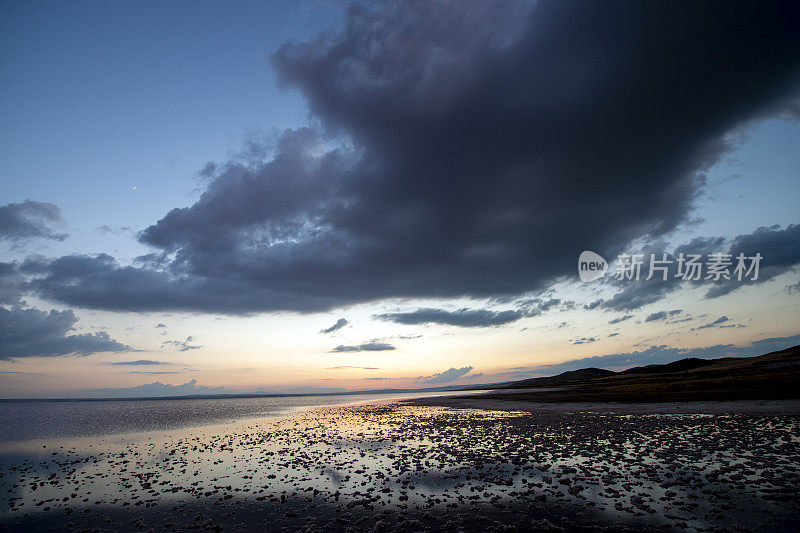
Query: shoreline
{"x": 170, "y": 415}
{"x": 722, "y": 407}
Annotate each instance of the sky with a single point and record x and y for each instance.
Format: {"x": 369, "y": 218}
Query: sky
{"x": 205, "y": 197}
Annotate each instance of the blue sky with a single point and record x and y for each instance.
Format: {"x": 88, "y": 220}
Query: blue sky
{"x": 110, "y": 111}
{"x": 99, "y": 97}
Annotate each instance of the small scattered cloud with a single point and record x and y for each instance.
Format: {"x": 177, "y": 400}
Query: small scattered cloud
{"x": 342, "y": 322}
{"x": 472, "y": 318}
{"x": 139, "y": 362}
{"x": 183, "y": 346}
{"x": 583, "y": 340}
{"x": 464, "y": 318}
{"x": 620, "y": 319}
{"x": 717, "y": 322}
{"x": 371, "y": 346}
{"x": 662, "y": 315}
{"x": 447, "y": 376}
{"x": 721, "y": 322}
{"x": 115, "y": 230}
{"x": 160, "y": 325}
{"x": 345, "y": 367}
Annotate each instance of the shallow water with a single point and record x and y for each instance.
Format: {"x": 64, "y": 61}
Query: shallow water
{"x": 49, "y": 419}
{"x": 401, "y": 464}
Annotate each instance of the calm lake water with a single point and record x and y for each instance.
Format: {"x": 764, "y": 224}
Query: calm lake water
{"x": 27, "y": 420}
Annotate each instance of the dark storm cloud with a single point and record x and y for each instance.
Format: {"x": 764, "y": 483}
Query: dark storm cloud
{"x": 342, "y": 322}
{"x": 447, "y": 376}
{"x": 35, "y": 333}
{"x": 371, "y": 346}
{"x": 30, "y": 219}
{"x": 99, "y": 282}
{"x": 467, "y": 149}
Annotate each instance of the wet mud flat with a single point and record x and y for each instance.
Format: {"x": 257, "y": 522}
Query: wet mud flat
{"x": 411, "y": 468}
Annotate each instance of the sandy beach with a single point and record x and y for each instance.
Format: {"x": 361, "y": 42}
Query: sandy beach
{"x": 404, "y": 467}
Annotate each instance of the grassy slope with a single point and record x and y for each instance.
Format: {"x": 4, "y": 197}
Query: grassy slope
{"x": 772, "y": 376}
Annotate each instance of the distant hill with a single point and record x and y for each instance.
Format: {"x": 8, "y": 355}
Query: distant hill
{"x": 565, "y": 378}
{"x": 681, "y": 365}
{"x": 775, "y": 375}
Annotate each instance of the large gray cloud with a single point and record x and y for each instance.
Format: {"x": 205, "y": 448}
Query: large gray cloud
{"x": 466, "y": 149}
{"x": 35, "y": 333}
{"x": 30, "y": 219}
